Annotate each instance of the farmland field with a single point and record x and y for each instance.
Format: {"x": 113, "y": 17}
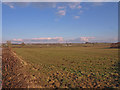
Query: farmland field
{"x": 72, "y": 67}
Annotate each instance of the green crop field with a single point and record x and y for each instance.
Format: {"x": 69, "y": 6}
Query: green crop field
{"x": 72, "y": 66}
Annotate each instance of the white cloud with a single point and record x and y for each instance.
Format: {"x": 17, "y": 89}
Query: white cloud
{"x": 80, "y": 12}
{"x": 61, "y": 7}
{"x": 86, "y": 39}
{"x": 40, "y": 40}
{"x": 11, "y": 5}
{"x": 69, "y": 5}
{"x": 97, "y": 4}
{"x": 76, "y": 17}
{"x": 49, "y": 38}
{"x": 81, "y": 39}
{"x": 110, "y": 40}
{"x": 33, "y": 4}
{"x": 79, "y": 6}
{"x": 74, "y": 5}
{"x": 17, "y": 40}
{"x": 61, "y": 12}
{"x": 44, "y": 4}
{"x": 62, "y": 40}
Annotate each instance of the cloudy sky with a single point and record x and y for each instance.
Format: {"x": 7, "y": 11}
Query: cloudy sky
{"x": 60, "y": 22}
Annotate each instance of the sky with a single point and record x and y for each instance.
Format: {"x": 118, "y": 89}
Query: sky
{"x": 60, "y": 22}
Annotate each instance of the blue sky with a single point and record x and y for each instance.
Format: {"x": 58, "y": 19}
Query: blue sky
{"x": 60, "y": 22}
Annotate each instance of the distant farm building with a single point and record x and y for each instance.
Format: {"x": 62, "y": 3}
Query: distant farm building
{"x": 115, "y": 45}
{"x": 87, "y": 42}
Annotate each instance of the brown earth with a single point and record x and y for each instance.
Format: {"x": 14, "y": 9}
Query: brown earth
{"x": 14, "y": 72}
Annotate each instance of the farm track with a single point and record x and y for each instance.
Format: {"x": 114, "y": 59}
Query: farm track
{"x": 15, "y": 74}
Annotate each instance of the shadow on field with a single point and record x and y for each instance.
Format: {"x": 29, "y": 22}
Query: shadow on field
{"x": 109, "y": 48}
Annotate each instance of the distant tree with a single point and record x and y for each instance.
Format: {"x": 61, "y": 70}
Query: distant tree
{"x": 87, "y": 42}
{"x": 22, "y": 44}
{"x": 9, "y": 44}
{"x": 115, "y": 45}
{"x": 67, "y": 43}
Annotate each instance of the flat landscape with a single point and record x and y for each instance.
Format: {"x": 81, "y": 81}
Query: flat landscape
{"x": 60, "y": 44}
{"x": 74, "y": 66}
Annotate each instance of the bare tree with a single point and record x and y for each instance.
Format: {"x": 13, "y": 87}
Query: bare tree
{"x": 9, "y": 44}
{"x": 22, "y": 44}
